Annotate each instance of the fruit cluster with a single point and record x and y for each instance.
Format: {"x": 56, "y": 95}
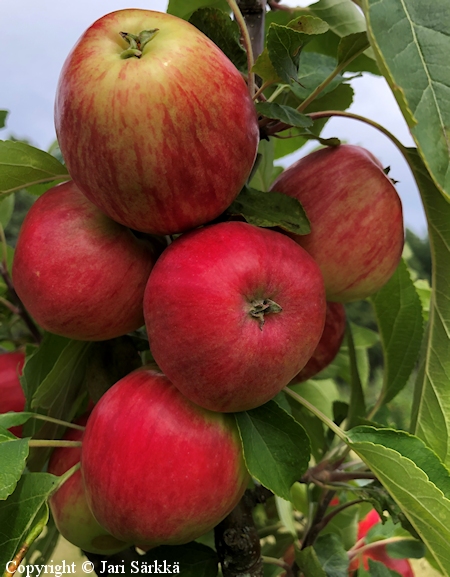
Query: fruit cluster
{"x": 159, "y": 135}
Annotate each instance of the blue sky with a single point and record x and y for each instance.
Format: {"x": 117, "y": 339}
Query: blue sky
{"x": 38, "y": 34}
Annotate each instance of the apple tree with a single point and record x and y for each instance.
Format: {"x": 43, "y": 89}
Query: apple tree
{"x": 216, "y": 437}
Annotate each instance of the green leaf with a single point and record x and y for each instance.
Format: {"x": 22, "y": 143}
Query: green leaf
{"x": 4, "y": 290}
{"x": 339, "y": 99}
{"x": 412, "y": 46}
{"x": 22, "y": 165}
{"x": 8, "y": 420}
{"x": 13, "y": 456}
{"x": 314, "y": 69}
{"x": 407, "y": 549}
{"x": 286, "y": 114}
{"x": 3, "y": 115}
{"x": 309, "y": 563}
{"x": 39, "y": 189}
{"x": 357, "y": 407}
{"x": 264, "y": 68}
{"x": 223, "y": 31}
{"x": 269, "y": 209}
{"x": 377, "y": 569}
{"x": 67, "y": 374}
{"x": 321, "y": 394}
{"x": 285, "y": 512}
{"x": 415, "y": 479}
{"x": 399, "y": 315}
{"x": 42, "y": 549}
{"x": 332, "y": 556}
{"x": 55, "y": 381}
{"x": 193, "y": 559}
{"x": 352, "y": 45}
{"x": 411, "y": 447}
{"x": 284, "y": 44}
{"x": 6, "y": 210}
{"x": 263, "y": 176}
{"x": 431, "y": 406}
{"x": 24, "y": 515}
{"x": 184, "y": 8}
{"x": 423, "y": 289}
{"x": 345, "y": 526}
{"x": 276, "y": 447}
{"x": 342, "y": 16}
{"x": 39, "y": 364}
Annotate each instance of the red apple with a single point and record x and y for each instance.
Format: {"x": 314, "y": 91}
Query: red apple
{"x": 157, "y": 468}
{"x": 163, "y": 138}
{"x": 80, "y": 274}
{"x": 329, "y": 344}
{"x": 12, "y": 397}
{"x": 233, "y": 313}
{"x": 372, "y": 518}
{"x": 69, "y": 507}
{"x": 356, "y": 218}
{"x": 377, "y": 550}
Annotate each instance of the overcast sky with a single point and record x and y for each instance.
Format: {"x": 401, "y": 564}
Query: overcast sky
{"x": 38, "y": 34}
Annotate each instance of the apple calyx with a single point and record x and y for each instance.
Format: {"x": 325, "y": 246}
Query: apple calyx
{"x": 260, "y": 307}
{"x": 137, "y": 42}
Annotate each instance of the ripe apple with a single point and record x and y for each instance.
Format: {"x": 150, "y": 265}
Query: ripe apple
{"x": 161, "y": 137}
{"x": 329, "y": 344}
{"x": 69, "y": 507}
{"x": 356, "y": 218}
{"x": 80, "y": 274}
{"x": 157, "y": 468}
{"x": 12, "y": 397}
{"x": 377, "y": 551}
{"x": 233, "y": 313}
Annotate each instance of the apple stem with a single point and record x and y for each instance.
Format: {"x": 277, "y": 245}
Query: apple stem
{"x": 356, "y": 550}
{"x": 260, "y": 307}
{"x": 58, "y": 422}
{"x": 63, "y": 478}
{"x": 315, "y": 411}
{"x": 279, "y": 563}
{"x": 137, "y": 42}
{"x": 53, "y": 443}
{"x": 338, "y": 510}
{"x": 247, "y": 43}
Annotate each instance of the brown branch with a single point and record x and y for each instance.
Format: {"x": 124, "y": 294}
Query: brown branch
{"x": 237, "y": 539}
{"x": 315, "y": 528}
{"x": 254, "y": 13}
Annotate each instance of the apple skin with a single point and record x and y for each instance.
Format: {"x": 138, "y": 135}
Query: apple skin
{"x": 197, "y": 309}
{"x": 161, "y": 143}
{"x": 378, "y": 552}
{"x": 69, "y": 507}
{"x": 78, "y": 273}
{"x": 329, "y": 344}
{"x": 356, "y": 218}
{"x": 12, "y": 397}
{"x": 157, "y": 468}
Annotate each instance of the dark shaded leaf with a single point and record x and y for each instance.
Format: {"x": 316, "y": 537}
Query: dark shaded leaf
{"x": 24, "y": 514}
{"x": 223, "y": 31}
{"x": 22, "y": 165}
{"x": 351, "y": 45}
{"x": 13, "y": 456}
{"x": 270, "y": 209}
{"x": 276, "y": 447}
{"x": 284, "y": 44}
{"x": 3, "y": 115}
{"x": 399, "y": 316}
{"x": 285, "y": 114}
